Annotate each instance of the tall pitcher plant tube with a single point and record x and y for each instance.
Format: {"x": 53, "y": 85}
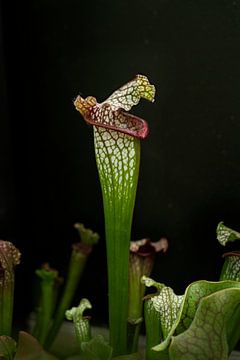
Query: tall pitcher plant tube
{"x": 9, "y": 258}
{"x": 117, "y": 137}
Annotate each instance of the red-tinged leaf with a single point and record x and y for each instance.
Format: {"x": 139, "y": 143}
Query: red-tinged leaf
{"x": 111, "y": 114}
{"x": 30, "y": 349}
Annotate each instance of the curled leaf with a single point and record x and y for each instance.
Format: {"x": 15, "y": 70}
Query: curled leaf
{"x": 111, "y": 114}
{"x": 76, "y": 313}
{"x": 88, "y": 237}
{"x": 226, "y": 234}
{"x": 168, "y": 304}
{"x": 206, "y": 338}
{"x": 194, "y": 293}
{"x": 81, "y": 323}
{"x": 147, "y": 281}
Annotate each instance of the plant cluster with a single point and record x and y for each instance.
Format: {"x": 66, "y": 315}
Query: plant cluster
{"x": 201, "y": 324}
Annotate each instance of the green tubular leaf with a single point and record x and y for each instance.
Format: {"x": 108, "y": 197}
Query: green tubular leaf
{"x": 77, "y": 263}
{"x": 142, "y": 254}
{"x": 231, "y": 267}
{"x": 226, "y": 234}
{"x": 81, "y": 323}
{"x": 153, "y": 330}
{"x": 193, "y": 294}
{"x": 206, "y": 338}
{"x": 48, "y": 278}
{"x": 168, "y": 304}
{"x": 118, "y": 157}
{"x": 117, "y": 148}
{"x": 9, "y": 258}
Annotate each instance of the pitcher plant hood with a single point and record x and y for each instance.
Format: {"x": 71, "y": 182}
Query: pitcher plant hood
{"x": 112, "y": 113}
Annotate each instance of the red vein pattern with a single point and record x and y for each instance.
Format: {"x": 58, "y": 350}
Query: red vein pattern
{"x": 111, "y": 114}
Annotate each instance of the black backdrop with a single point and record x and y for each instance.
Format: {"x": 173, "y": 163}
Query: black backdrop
{"x": 190, "y": 166}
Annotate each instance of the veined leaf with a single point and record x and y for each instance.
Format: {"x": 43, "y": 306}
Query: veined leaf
{"x": 168, "y": 304}
{"x": 194, "y": 293}
{"x": 206, "y": 338}
{"x": 96, "y": 349}
{"x": 7, "y": 347}
{"x": 117, "y": 137}
{"x": 226, "y": 234}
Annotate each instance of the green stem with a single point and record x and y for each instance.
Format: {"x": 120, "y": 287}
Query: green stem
{"x": 133, "y": 331}
{"x": 142, "y": 255}
{"x": 48, "y": 278}
{"x": 118, "y": 289}
{"x": 136, "y": 293}
{"x": 153, "y": 329}
{"x": 118, "y": 158}
{"x": 7, "y": 296}
{"x": 9, "y": 257}
{"x": 46, "y": 310}
{"x": 76, "y": 267}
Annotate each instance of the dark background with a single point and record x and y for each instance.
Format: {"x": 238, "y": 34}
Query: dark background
{"x": 190, "y": 167}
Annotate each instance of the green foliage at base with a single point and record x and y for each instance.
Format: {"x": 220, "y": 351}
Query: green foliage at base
{"x": 203, "y": 327}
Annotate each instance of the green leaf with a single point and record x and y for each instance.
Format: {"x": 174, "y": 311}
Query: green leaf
{"x": 168, "y": 304}
{"x": 7, "y": 347}
{"x": 153, "y": 330}
{"x": 192, "y": 297}
{"x": 81, "y": 323}
{"x": 96, "y": 349}
{"x": 231, "y": 267}
{"x": 226, "y": 234}
{"x": 194, "y": 293}
{"x": 87, "y": 236}
{"x": 206, "y": 338}
{"x": 147, "y": 281}
{"x": 117, "y": 148}
{"x": 30, "y": 349}
{"x": 118, "y": 157}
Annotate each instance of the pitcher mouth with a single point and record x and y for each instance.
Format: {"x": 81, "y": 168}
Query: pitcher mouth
{"x": 231, "y": 253}
{"x": 112, "y": 114}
